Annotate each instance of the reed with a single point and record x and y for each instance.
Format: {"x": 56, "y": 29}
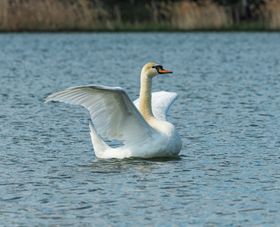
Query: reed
{"x": 69, "y": 15}
{"x": 270, "y": 12}
{"x": 49, "y": 15}
{"x": 188, "y": 15}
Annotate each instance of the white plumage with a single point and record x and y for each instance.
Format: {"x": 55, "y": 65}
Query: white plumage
{"x": 141, "y": 126}
{"x": 161, "y": 103}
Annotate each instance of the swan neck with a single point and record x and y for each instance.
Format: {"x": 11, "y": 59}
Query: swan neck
{"x": 145, "y": 97}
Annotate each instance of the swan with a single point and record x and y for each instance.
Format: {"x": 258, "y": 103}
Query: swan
{"x": 141, "y": 126}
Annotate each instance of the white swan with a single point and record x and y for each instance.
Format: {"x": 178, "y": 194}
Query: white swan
{"x": 141, "y": 127}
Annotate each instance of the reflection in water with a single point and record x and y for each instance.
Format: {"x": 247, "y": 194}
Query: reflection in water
{"x": 118, "y": 166}
{"x": 227, "y": 115}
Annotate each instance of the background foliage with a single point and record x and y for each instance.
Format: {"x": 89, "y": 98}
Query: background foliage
{"x": 53, "y": 15}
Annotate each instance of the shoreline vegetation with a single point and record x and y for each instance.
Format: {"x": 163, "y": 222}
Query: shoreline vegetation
{"x": 133, "y": 15}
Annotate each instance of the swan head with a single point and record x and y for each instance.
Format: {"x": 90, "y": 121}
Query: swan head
{"x": 152, "y": 69}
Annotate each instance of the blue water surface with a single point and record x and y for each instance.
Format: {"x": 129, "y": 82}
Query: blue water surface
{"x": 228, "y": 115}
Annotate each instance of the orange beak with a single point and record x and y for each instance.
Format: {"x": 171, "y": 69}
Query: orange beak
{"x": 164, "y": 71}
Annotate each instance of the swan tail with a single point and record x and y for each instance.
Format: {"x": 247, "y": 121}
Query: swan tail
{"x": 98, "y": 144}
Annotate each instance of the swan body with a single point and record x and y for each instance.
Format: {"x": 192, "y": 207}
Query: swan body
{"x": 140, "y": 126}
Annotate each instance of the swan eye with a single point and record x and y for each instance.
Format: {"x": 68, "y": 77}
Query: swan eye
{"x": 158, "y": 67}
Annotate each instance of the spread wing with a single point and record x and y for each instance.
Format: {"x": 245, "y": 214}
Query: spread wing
{"x": 112, "y": 112}
{"x": 161, "y": 102}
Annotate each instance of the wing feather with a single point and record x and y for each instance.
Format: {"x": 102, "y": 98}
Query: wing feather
{"x": 112, "y": 112}
{"x": 161, "y": 103}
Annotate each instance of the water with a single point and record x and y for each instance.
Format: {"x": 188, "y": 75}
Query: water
{"x": 228, "y": 114}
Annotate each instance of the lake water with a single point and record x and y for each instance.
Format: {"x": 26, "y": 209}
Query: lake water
{"x": 228, "y": 115}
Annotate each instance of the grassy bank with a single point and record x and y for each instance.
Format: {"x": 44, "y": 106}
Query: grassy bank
{"x": 87, "y": 15}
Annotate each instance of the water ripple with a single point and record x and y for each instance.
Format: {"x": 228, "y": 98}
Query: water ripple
{"x": 227, "y": 115}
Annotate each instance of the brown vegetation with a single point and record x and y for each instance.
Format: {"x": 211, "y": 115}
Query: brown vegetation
{"x": 270, "y": 12}
{"x": 48, "y": 15}
{"x": 54, "y": 15}
{"x": 208, "y": 15}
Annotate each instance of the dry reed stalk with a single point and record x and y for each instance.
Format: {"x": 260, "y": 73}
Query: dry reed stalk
{"x": 48, "y": 15}
{"x": 53, "y": 15}
{"x": 271, "y": 14}
{"x": 208, "y": 15}
{"x": 3, "y": 13}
